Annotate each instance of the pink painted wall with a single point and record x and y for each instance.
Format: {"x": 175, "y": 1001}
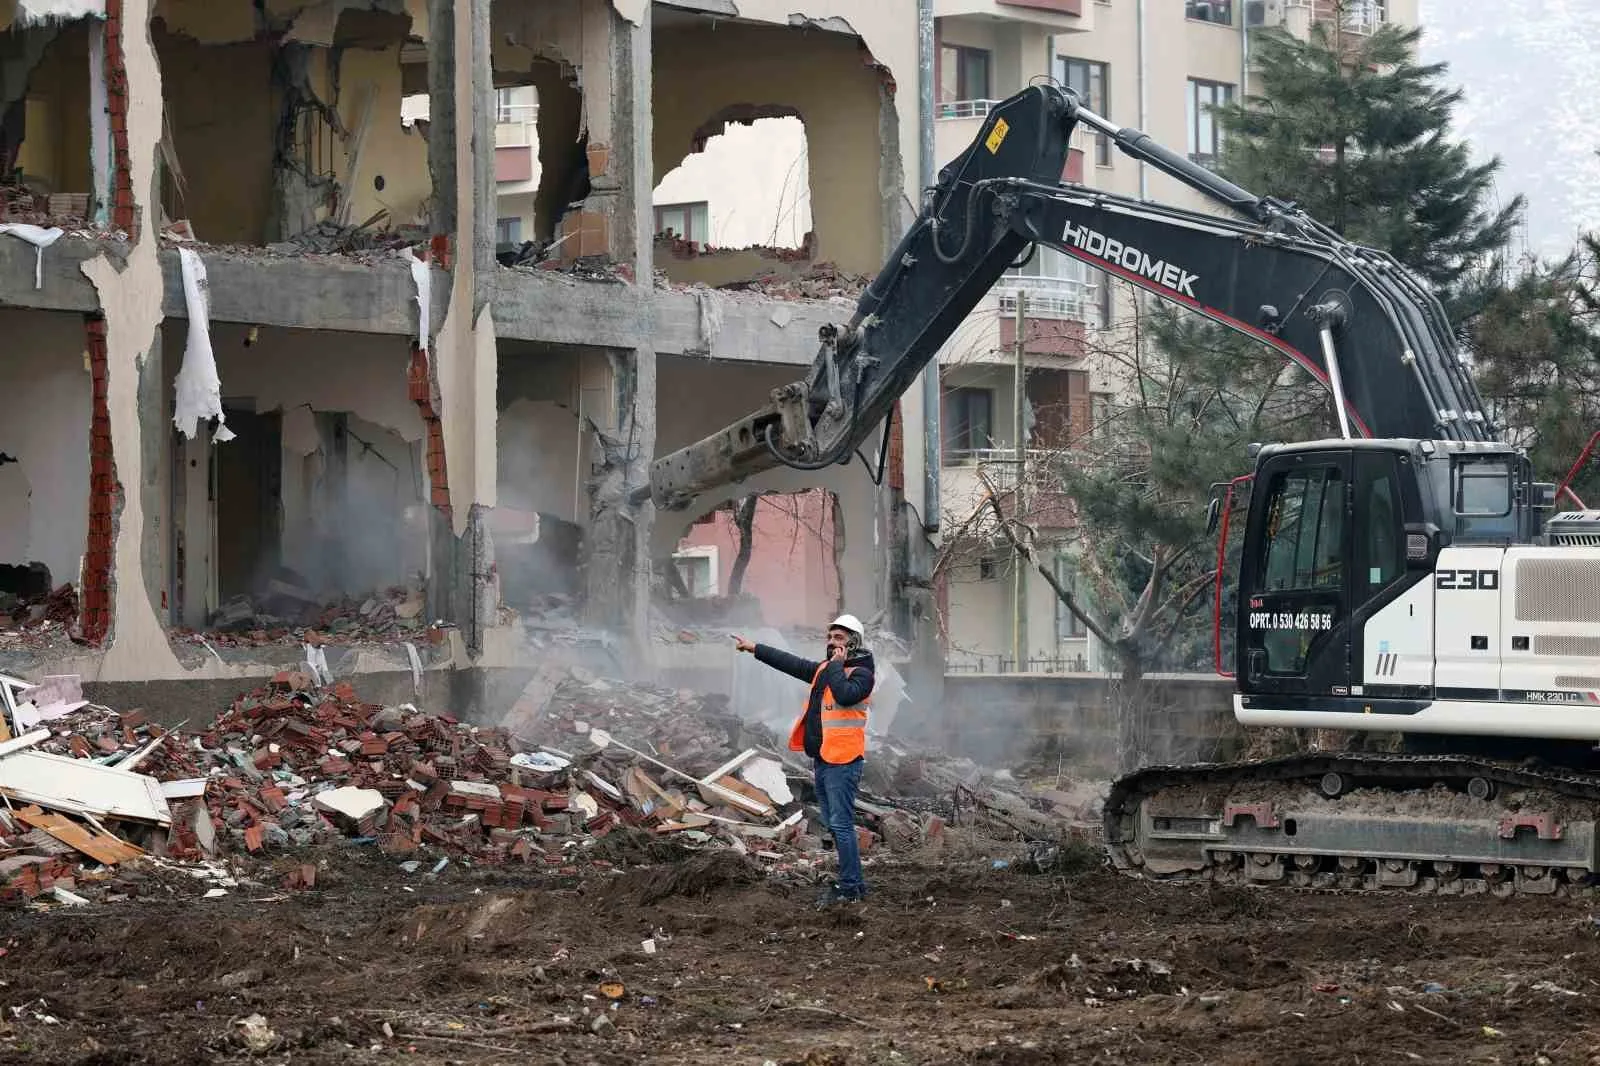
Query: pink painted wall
{"x": 792, "y": 572}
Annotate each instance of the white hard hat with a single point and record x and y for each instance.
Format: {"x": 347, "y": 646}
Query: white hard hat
{"x": 850, "y": 622}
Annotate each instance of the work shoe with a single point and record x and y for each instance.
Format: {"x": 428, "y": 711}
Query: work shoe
{"x": 834, "y": 894}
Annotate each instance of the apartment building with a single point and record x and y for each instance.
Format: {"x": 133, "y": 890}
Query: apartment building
{"x": 291, "y": 352}
{"x": 1155, "y": 66}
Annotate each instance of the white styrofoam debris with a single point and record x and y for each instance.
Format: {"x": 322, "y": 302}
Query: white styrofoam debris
{"x": 40, "y": 238}
{"x": 354, "y": 803}
{"x": 419, "y": 277}
{"x": 317, "y": 664}
{"x": 198, "y": 390}
{"x": 30, "y": 11}
{"x": 768, "y": 775}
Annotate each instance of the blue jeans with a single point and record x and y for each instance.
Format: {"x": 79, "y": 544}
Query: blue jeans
{"x": 836, "y": 796}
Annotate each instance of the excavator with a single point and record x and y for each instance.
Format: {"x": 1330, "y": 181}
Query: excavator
{"x": 1408, "y": 577}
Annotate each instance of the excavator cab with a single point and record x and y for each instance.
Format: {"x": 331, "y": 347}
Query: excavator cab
{"x": 1338, "y": 532}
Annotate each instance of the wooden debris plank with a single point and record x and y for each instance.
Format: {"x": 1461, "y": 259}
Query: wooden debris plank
{"x": 101, "y": 847}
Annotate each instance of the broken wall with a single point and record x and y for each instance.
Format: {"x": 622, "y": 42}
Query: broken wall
{"x": 392, "y": 168}
{"x": 549, "y": 397}
{"x": 44, "y": 479}
{"x": 707, "y": 74}
{"x": 55, "y": 148}
{"x": 235, "y": 100}
{"x": 564, "y": 49}
{"x": 698, "y": 397}
{"x": 223, "y": 114}
{"x": 349, "y": 478}
{"x": 793, "y": 572}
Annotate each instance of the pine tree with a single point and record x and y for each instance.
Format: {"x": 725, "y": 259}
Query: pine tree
{"x": 1536, "y": 352}
{"x": 1353, "y": 129}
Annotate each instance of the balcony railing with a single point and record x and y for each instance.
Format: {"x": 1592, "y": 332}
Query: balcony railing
{"x": 980, "y": 663}
{"x": 1050, "y": 297}
{"x": 966, "y": 108}
{"x": 506, "y": 114}
{"x": 999, "y": 463}
{"x": 1365, "y": 16}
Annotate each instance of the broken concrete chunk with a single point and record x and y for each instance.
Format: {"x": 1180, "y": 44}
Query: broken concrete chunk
{"x": 354, "y": 809}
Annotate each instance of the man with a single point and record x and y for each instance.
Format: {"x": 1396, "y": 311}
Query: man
{"x": 832, "y": 730}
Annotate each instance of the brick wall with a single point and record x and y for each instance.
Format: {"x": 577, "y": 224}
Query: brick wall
{"x": 95, "y": 585}
{"x": 123, "y": 214}
{"x": 896, "y": 459}
{"x": 421, "y": 384}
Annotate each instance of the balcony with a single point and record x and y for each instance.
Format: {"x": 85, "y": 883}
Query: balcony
{"x": 1365, "y": 16}
{"x": 959, "y": 109}
{"x": 1043, "y": 503}
{"x": 1058, "y": 298}
{"x": 1054, "y": 16}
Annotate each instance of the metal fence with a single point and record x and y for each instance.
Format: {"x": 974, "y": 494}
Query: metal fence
{"x": 1007, "y": 664}
{"x": 966, "y": 108}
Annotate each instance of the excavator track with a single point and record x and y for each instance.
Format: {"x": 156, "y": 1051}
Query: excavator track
{"x": 1444, "y": 825}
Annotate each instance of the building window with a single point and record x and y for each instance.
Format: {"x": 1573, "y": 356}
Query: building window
{"x": 964, "y": 75}
{"x": 508, "y": 231}
{"x": 504, "y": 106}
{"x": 1218, "y": 11}
{"x": 1090, "y": 81}
{"x": 968, "y": 422}
{"x": 689, "y": 222}
{"x": 1068, "y": 625}
{"x": 1099, "y": 414}
{"x": 1205, "y": 138}
{"x": 698, "y": 569}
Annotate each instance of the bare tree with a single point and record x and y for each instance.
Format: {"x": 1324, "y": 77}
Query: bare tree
{"x": 1135, "y": 482}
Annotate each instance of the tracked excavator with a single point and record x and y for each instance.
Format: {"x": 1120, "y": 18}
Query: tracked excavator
{"x": 1408, "y": 577}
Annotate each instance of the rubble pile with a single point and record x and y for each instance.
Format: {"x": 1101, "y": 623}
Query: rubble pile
{"x": 56, "y": 608}
{"x": 824, "y": 281}
{"x": 39, "y": 620}
{"x": 289, "y": 613}
{"x": 21, "y": 204}
{"x": 329, "y": 237}
{"x": 88, "y": 791}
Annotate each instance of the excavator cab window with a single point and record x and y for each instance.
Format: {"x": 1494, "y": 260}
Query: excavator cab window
{"x": 1381, "y": 529}
{"x": 1299, "y": 575}
{"x": 1305, "y": 531}
{"x": 1484, "y": 498}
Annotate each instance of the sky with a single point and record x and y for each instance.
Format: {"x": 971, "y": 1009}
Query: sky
{"x": 1530, "y": 81}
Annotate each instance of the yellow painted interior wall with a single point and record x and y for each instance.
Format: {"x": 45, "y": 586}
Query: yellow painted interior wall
{"x": 699, "y": 71}
{"x": 56, "y": 147}
{"x": 223, "y": 113}
{"x": 390, "y": 150}
{"x": 211, "y": 21}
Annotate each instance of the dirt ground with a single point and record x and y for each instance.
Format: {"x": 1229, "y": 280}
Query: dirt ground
{"x": 953, "y": 960}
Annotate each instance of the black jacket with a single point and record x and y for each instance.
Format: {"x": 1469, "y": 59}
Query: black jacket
{"x": 848, "y": 690}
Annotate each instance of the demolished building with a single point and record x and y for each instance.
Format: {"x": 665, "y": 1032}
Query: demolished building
{"x": 248, "y": 257}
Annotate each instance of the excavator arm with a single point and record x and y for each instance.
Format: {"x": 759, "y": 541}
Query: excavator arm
{"x": 1353, "y": 317}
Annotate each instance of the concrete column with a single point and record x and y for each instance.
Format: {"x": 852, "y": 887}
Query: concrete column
{"x": 616, "y": 553}
{"x": 130, "y": 296}
{"x": 461, "y": 363}
{"x": 153, "y": 433}
{"x": 636, "y": 87}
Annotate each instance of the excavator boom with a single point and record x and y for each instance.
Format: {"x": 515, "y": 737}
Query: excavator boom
{"x": 1409, "y": 582}
{"x": 1264, "y": 269}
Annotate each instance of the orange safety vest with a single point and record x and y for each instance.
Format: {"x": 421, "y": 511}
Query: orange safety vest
{"x": 844, "y": 729}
